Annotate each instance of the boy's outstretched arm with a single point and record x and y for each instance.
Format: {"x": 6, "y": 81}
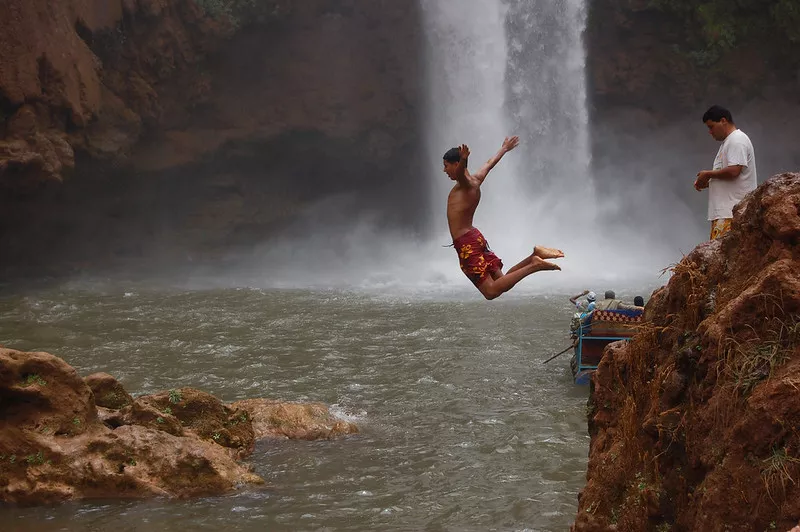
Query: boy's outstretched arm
{"x": 461, "y": 169}
{"x": 508, "y": 144}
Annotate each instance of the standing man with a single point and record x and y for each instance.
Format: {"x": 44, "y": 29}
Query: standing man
{"x": 734, "y": 173}
{"x": 478, "y": 263}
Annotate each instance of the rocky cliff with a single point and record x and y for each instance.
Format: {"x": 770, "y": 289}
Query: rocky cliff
{"x": 180, "y": 128}
{"x": 694, "y": 423}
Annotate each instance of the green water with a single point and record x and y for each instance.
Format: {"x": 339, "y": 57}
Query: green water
{"x": 462, "y": 426}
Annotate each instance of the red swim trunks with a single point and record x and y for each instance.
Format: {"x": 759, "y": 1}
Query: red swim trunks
{"x": 477, "y": 260}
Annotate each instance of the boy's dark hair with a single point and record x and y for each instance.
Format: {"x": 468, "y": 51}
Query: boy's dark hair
{"x": 638, "y": 301}
{"x": 453, "y": 155}
{"x": 716, "y": 113}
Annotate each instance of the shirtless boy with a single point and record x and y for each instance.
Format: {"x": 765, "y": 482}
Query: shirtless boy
{"x": 478, "y": 263}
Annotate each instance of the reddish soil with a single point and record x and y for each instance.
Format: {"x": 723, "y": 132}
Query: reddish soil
{"x": 695, "y": 425}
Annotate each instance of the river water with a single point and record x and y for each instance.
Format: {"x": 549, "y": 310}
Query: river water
{"x": 462, "y": 426}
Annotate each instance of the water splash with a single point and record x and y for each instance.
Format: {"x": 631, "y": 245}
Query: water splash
{"x": 493, "y": 69}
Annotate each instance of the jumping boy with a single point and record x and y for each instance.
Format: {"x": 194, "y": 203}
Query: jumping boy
{"x": 478, "y": 263}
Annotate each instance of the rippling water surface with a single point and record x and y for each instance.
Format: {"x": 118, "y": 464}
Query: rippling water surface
{"x": 462, "y": 426}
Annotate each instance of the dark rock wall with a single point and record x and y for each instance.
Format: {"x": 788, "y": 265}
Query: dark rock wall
{"x": 162, "y": 132}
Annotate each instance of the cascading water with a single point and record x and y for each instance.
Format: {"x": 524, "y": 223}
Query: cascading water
{"x": 498, "y": 69}
{"x": 495, "y": 68}
{"x": 546, "y": 88}
{"x": 517, "y": 67}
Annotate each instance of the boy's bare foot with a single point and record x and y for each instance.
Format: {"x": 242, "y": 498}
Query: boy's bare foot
{"x": 540, "y": 264}
{"x": 547, "y": 253}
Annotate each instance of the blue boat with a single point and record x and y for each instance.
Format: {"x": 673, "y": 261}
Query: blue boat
{"x": 594, "y": 332}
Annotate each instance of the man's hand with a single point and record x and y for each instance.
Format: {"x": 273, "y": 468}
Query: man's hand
{"x": 510, "y": 143}
{"x": 464, "y": 150}
{"x": 703, "y": 177}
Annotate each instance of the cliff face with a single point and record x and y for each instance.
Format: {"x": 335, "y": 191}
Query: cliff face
{"x": 670, "y": 57}
{"x": 160, "y": 127}
{"x": 83, "y": 75}
{"x": 694, "y": 423}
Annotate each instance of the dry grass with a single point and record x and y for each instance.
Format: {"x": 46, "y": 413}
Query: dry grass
{"x": 696, "y": 289}
{"x": 746, "y": 364}
{"x": 776, "y": 472}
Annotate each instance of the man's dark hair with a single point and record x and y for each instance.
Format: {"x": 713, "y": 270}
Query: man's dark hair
{"x": 453, "y": 155}
{"x": 610, "y": 294}
{"x": 638, "y": 301}
{"x": 716, "y": 113}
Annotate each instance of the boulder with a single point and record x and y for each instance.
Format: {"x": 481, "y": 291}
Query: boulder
{"x": 294, "y": 421}
{"x": 54, "y": 446}
{"x": 107, "y": 390}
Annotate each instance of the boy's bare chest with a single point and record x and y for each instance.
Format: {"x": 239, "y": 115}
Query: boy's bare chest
{"x": 463, "y": 198}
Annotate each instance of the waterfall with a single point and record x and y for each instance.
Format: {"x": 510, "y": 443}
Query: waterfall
{"x": 546, "y": 87}
{"x": 513, "y": 68}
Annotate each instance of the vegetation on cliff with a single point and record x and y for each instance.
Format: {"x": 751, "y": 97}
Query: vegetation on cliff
{"x": 718, "y": 26}
{"x": 694, "y": 424}
{"x": 240, "y": 12}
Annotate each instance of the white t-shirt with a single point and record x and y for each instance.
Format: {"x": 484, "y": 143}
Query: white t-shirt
{"x": 723, "y": 195}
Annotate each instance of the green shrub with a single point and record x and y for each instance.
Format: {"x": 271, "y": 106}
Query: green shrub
{"x": 717, "y": 26}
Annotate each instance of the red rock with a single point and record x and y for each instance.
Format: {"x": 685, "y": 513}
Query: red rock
{"x": 295, "y": 421}
{"x": 107, "y": 390}
{"x": 695, "y": 423}
{"x": 54, "y": 447}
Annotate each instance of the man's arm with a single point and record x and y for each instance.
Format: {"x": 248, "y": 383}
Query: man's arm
{"x": 729, "y": 173}
{"x": 508, "y": 144}
{"x": 574, "y": 299}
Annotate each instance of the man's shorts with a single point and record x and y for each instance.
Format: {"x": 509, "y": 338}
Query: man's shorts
{"x": 476, "y": 259}
{"x": 719, "y": 227}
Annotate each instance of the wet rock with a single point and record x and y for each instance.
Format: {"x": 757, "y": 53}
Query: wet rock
{"x": 295, "y": 421}
{"x": 54, "y": 446}
{"x": 140, "y": 413}
{"x": 131, "y": 461}
{"x": 43, "y": 394}
{"x": 207, "y": 417}
{"x": 108, "y": 392}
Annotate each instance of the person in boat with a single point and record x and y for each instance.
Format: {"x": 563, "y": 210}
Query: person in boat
{"x": 637, "y": 307}
{"x": 477, "y": 261}
{"x": 610, "y": 302}
{"x": 587, "y": 306}
{"x": 584, "y": 310}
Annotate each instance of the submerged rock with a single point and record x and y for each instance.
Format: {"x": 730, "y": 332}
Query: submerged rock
{"x": 694, "y": 423}
{"x": 56, "y": 444}
{"x": 295, "y": 421}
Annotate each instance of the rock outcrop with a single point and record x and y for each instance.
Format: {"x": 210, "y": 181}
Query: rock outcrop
{"x": 136, "y": 131}
{"x": 293, "y": 421}
{"x": 84, "y": 75}
{"x": 57, "y": 444}
{"x": 694, "y": 424}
